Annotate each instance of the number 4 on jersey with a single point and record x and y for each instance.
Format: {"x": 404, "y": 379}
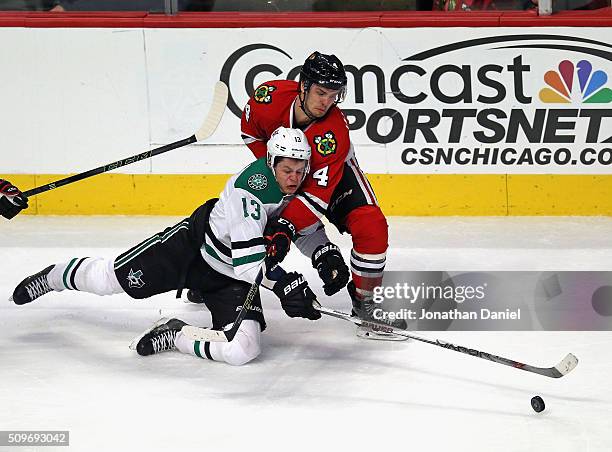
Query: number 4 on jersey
{"x": 321, "y": 176}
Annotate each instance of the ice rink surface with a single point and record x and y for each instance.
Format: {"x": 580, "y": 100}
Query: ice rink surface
{"x": 65, "y": 362}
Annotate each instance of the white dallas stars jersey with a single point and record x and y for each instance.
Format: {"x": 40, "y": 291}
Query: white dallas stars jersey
{"x": 233, "y": 240}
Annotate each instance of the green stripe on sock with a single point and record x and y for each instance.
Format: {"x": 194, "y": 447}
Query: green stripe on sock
{"x": 65, "y": 276}
{"x": 196, "y": 349}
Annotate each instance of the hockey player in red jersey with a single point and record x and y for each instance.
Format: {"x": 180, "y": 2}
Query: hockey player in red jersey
{"x": 12, "y": 201}
{"x": 336, "y": 187}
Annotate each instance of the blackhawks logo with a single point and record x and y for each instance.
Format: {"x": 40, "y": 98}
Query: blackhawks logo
{"x": 326, "y": 144}
{"x": 257, "y": 181}
{"x": 263, "y": 94}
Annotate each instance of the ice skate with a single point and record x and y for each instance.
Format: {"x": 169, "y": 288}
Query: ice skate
{"x": 32, "y": 287}
{"x": 364, "y": 310}
{"x": 158, "y": 338}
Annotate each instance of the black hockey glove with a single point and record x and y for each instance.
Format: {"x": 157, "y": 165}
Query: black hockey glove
{"x": 296, "y": 297}
{"x": 330, "y": 265}
{"x": 278, "y": 236}
{"x": 12, "y": 201}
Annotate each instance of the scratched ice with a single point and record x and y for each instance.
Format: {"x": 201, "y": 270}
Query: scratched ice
{"x": 65, "y": 362}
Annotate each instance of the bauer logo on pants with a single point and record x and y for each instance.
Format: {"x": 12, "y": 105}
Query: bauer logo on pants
{"x": 135, "y": 279}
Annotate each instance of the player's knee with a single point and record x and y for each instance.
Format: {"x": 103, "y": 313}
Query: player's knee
{"x": 96, "y": 275}
{"x": 369, "y": 230}
{"x": 243, "y": 352}
{"x": 240, "y": 355}
{"x": 246, "y": 345}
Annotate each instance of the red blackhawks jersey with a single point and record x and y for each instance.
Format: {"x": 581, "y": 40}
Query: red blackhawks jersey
{"x": 272, "y": 106}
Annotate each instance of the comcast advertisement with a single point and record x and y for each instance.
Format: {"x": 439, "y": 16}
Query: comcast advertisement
{"x": 479, "y": 101}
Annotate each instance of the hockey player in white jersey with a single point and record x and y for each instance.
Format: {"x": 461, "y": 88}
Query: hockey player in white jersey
{"x": 219, "y": 250}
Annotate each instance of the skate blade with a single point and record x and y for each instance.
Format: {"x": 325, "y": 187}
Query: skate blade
{"x": 155, "y": 325}
{"x": 367, "y": 333}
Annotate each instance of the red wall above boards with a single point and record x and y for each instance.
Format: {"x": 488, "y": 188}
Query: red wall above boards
{"x": 390, "y": 19}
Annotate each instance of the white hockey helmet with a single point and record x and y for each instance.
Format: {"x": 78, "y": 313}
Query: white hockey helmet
{"x": 290, "y": 143}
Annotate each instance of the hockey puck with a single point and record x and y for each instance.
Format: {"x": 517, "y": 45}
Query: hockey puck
{"x": 537, "y": 404}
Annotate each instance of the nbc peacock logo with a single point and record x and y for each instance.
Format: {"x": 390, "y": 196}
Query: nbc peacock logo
{"x": 577, "y": 82}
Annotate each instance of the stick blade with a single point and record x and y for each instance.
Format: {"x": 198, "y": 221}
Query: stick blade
{"x": 215, "y": 113}
{"x": 204, "y": 334}
{"x": 566, "y": 365}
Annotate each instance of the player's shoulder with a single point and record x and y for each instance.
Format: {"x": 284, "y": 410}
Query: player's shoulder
{"x": 258, "y": 180}
{"x": 275, "y": 91}
{"x": 338, "y": 119}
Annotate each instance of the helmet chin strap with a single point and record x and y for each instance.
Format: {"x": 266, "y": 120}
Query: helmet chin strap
{"x": 303, "y": 105}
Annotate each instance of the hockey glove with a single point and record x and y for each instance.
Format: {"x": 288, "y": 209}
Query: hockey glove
{"x": 278, "y": 236}
{"x": 330, "y": 265}
{"x": 296, "y": 297}
{"x": 12, "y": 201}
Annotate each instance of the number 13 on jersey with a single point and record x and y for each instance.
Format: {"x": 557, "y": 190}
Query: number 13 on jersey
{"x": 254, "y": 206}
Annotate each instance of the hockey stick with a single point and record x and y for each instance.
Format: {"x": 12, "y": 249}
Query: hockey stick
{"x": 206, "y": 130}
{"x": 566, "y": 365}
{"x": 209, "y": 335}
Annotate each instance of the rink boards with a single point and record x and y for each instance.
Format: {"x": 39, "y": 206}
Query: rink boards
{"x": 415, "y": 194}
{"x": 446, "y": 121}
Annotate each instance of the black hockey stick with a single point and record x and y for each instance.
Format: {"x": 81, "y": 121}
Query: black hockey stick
{"x": 566, "y": 365}
{"x": 206, "y": 130}
{"x": 209, "y": 335}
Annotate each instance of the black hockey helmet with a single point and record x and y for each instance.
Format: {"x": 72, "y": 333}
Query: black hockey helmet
{"x": 324, "y": 70}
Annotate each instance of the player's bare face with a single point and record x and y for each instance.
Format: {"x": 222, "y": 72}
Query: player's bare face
{"x": 289, "y": 174}
{"x": 319, "y": 100}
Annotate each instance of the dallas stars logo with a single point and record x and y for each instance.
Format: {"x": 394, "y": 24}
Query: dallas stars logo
{"x": 257, "y": 181}
{"x": 135, "y": 279}
{"x": 263, "y": 94}
{"x": 326, "y": 144}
